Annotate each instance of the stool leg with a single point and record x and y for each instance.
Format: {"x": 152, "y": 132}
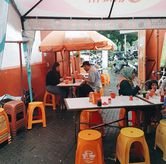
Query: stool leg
{"x": 13, "y": 123}
{"x": 30, "y": 113}
{"x": 43, "y": 116}
{"x": 25, "y": 118}
{"x": 146, "y": 151}
{"x": 156, "y": 136}
{"x": 54, "y": 102}
{"x": 8, "y": 128}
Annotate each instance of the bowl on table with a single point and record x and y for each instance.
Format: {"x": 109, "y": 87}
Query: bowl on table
{"x": 66, "y": 81}
{"x": 112, "y": 95}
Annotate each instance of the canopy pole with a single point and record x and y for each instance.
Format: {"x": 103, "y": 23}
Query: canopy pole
{"x": 157, "y": 50}
{"x": 69, "y": 63}
{"x": 55, "y": 56}
{"x": 21, "y": 67}
{"x": 21, "y": 70}
{"x": 62, "y": 62}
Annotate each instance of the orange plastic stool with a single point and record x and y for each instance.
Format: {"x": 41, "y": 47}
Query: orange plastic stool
{"x": 47, "y": 102}
{"x": 160, "y": 139}
{"x": 126, "y": 138}
{"x": 89, "y": 118}
{"x": 107, "y": 78}
{"x": 133, "y": 118}
{"x": 31, "y": 108}
{"x": 89, "y": 148}
{"x": 4, "y": 127}
{"x": 103, "y": 79}
{"x": 122, "y": 115}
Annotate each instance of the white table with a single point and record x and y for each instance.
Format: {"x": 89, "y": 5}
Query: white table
{"x": 77, "y": 104}
{"x": 153, "y": 100}
{"x": 78, "y": 82}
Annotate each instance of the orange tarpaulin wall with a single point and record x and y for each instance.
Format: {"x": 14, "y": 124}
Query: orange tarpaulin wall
{"x": 11, "y": 84}
{"x": 150, "y": 43}
{"x": 154, "y": 44}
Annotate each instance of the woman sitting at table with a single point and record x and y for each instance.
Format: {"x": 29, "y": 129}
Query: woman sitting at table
{"x": 128, "y": 84}
{"x": 52, "y": 79}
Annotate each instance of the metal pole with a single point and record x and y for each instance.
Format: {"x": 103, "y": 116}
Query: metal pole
{"x": 55, "y": 56}
{"x": 125, "y": 48}
{"x": 62, "y": 62}
{"x": 21, "y": 70}
{"x": 157, "y": 63}
{"x": 69, "y": 63}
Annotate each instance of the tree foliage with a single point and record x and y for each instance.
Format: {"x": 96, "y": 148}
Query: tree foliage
{"x": 118, "y": 38}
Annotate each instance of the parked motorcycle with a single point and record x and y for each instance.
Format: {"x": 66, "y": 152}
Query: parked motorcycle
{"x": 119, "y": 64}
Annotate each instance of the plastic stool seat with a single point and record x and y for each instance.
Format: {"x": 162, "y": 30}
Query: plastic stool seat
{"x": 89, "y": 135}
{"x": 132, "y": 132}
{"x": 36, "y": 103}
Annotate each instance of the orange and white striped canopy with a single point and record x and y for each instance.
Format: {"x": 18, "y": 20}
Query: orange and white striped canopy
{"x": 75, "y": 41}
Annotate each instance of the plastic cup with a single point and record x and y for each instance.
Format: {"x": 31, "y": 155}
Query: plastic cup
{"x": 144, "y": 94}
{"x": 147, "y": 96}
{"x": 91, "y": 96}
{"x": 131, "y": 98}
{"x": 112, "y": 95}
{"x": 109, "y": 100}
{"x": 66, "y": 81}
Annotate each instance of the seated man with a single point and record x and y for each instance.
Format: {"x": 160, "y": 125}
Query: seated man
{"x": 52, "y": 79}
{"x": 92, "y": 83}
